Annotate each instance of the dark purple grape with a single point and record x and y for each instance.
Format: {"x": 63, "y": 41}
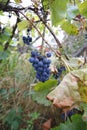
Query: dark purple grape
{"x": 45, "y": 60}
{"x": 29, "y": 38}
{"x": 48, "y": 54}
{"x": 40, "y": 63}
{"x": 36, "y": 60}
{"x": 34, "y": 53}
{"x": 9, "y": 15}
{"x": 31, "y": 60}
{"x": 40, "y": 69}
{"x": 29, "y": 29}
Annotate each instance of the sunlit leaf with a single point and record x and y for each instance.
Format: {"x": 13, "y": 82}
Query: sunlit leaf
{"x": 58, "y": 10}
{"x": 69, "y": 28}
{"x": 83, "y": 8}
{"x": 22, "y": 25}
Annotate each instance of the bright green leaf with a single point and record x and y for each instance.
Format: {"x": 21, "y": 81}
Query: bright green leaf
{"x": 83, "y": 8}
{"x": 58, "y": 10}
{"x": 69, "y": 28}
{"x": 23, "y": 24}
{"x": 45, "y": 4}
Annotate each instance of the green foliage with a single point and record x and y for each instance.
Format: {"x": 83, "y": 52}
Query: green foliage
{"x": 41, "y": 90}
{"x": 33, "y": 116}
{"x": 13, "y": 118}
{"x": 76, "y": 123}
{"x": 45, "y": 4}
{"x": 58, "y": 10}
{"x": 5, "y": 36}
{"x": 83, "y": 8}
{"x": 71, "y": 29}
{"x": 3, "y": 1}
{"x": 22, "y": 25}
{"x": 4, "y": 55}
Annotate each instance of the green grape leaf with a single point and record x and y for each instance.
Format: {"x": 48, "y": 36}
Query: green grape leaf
{"x": 4, "y": 37}
{"x": 45, "y": 4}
{"x": 41, "y": 90}
{"x": 15, "y": 125}
{"x": 10, "y": 116}
{"x": 58, "y": 10}
{"x": 22, "y": 25}
{"x": 83, "y": 8}
{"x": 69, "y": 28}
{"x": 76, "y": 123}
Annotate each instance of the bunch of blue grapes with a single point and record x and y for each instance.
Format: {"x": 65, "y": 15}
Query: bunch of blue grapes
{"x": 27, "y": 40}
{"x": 61, "y": 69}
{"x": 41, "y": 64}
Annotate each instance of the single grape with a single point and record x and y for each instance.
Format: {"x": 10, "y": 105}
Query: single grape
{"x": 48, "y": 61}
{"x": 29, "y": 38}
{"x": 40, "y": 63}
{"x": 48, "y": 54}
{"x": 31, "y": 60}
{"x": 34, "y": 53}
{"x": 9, "y": 15}
{"x": 36, "y": 60}
{"x": 29, "y": 29}
{"x": 45, "y": 60}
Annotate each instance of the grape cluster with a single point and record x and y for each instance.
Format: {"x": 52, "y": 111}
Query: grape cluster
{"x": 60, "y": 70}
{"x": 41, "y": 65}
{"x": 27, "y": 40}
